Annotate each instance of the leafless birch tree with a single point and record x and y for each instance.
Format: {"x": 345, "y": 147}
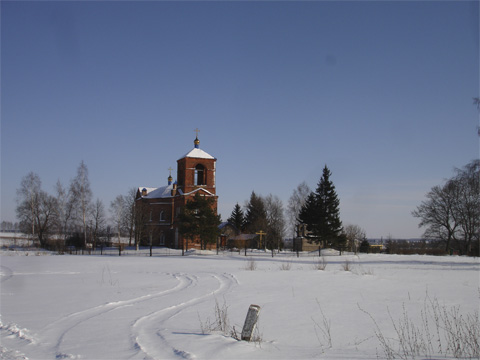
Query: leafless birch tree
{"x": 36, "y": 209}
{"x": 295, "y": 204}
{"x": 65, "y": 209}
{"x": 80, "y": 188}
{"x": 98, "y": 221}
{"x": 275, "y": 221}
{"x": 27, "y": 199}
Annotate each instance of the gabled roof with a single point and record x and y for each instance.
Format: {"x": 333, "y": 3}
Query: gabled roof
{"x": 157, "y": 193}
{"x": 198, "y": 154}
{"x": 199, "y": 189}
{"x": 166, "y": 191}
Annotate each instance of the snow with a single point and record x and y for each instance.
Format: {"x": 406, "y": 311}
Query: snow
{"x": 198, "y": 154}
{"x": 157, "y": 193}
{"x": 140, "y": 307}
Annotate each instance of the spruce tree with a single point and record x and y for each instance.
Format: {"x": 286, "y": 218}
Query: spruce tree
{"x": 199, "y": 221}
{"x": 256, "y": 215}
{"x": 321, "y": 213}
{"x": 237, "y": 218}
{"x": 307, "y": 214}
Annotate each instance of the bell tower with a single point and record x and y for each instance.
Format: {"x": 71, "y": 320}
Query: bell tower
{"x": 196, "y": 170}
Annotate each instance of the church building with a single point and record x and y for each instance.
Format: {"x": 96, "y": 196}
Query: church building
{"x": 158, "y": 208}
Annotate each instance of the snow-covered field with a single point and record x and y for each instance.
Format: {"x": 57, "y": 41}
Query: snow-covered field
{"x": 163, "y": 307}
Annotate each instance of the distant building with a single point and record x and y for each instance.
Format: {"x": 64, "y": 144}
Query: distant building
{"x": 227, "y": 232}
{"x": 158, "y": 208}
{"x": 303, "y": 241}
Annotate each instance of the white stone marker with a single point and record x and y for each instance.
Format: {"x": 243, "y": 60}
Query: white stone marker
{"x": 250, "y": 322}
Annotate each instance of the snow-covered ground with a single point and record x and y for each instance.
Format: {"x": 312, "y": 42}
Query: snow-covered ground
{"x": 163, "y": 307}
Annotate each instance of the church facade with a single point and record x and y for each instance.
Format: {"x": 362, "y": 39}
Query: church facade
{"x": 158, "y": 209}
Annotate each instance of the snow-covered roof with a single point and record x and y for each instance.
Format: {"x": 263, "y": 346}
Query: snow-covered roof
{"x": 198, "y": 154}
{"x": 199, "y": 189}
{"x": 166, "y": 191}
{"x": 157, "y": 193}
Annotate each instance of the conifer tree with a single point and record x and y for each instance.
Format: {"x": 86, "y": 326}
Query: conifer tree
{"x": 256, "y": 215}
{"x": 237, "y": 218}
{"x": 321, "y": 213}
{"x": 308, "y": 214}
{"x": 198, "y": 220}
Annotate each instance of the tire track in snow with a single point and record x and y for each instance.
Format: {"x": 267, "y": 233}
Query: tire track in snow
{"x": 5, "y": 273}
{"x": 149, "y": 331}
{"x": 56, "y": 331}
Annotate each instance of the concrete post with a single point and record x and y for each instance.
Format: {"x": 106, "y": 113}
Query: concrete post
{"x": 250, "y": 322}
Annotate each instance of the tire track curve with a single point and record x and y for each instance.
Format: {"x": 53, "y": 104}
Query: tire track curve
{"x": 53, "y": 335}
{"x": 150, "y": 332}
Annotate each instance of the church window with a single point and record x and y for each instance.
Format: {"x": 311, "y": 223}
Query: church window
{"x": 150, "y": 219}
{"x": 200, "y": 178}
{"x": 162, "y": 238}
{"x": 162, "y": 216}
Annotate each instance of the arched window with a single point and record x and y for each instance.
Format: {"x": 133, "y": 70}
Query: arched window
{"x": 200, "y": 175}
{"x": 162, "y": 216}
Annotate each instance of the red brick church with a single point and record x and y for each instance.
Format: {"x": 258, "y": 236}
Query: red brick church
{"x": 160, "y": 207}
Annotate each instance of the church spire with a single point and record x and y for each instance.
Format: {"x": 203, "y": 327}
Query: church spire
{"x": 196, "y": 142}
{"x": 170, "y": 178}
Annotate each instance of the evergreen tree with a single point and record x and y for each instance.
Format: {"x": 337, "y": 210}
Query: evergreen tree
{"x": 364, "y": 246}
{"x": 198, "y": 220}
{"x": 256, "y": 215}
{"x": 321, "y": 213}
{"x": 308, "y": 214}
{"x": 237, "y": 218}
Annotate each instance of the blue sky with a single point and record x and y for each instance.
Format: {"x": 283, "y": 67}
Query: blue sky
{"x": 380, "y": 92}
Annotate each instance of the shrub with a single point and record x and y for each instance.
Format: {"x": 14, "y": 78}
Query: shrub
{"x": 443, "y": 331}
{"x": 251, "y": 265}
{"x": 320, "y": 264}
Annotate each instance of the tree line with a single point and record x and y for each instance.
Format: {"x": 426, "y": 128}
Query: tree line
{"x": 450, "y": 214}
{"x": 318, "y": 211}
{"x": 8, "y": 226}
{"x": 70, "y": 214}
{"x": 261, "y": 214}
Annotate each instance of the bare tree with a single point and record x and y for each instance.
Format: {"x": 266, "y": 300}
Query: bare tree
{"x": 28, "y": 198}
{"x": 141, "y": 220}
{"x": 436, "y": 213}
{"x": 467, "y": 207}
{"x": 98, "y": 221}
{"x": 476, "y": 102}
{"x": 117, "y": 209}
{"x": 355, "y": 235}
{"x": 80, "y": 188}
{"x": 129, "y": 214}
{"x": 275, "y": 221}
{"x": 295, "y": 204}
{"x": 65, "y": 209}
{"x": 36, "y": 209}
{"x": 451, "y": 212}
{"x": 45, "y": 216}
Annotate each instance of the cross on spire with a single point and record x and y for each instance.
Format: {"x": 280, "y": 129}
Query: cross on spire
{"x": 170, "y": 169}
{"x": 196, "y": 142}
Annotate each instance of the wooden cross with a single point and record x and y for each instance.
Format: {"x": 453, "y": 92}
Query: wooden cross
{"x": 196, "y": 132}
{"x": 261, "y": 233}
